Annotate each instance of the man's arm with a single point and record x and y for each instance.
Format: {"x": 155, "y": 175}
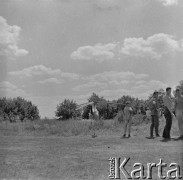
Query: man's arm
{"x": 181, "y": 99}
{"x": 175, "y": 105}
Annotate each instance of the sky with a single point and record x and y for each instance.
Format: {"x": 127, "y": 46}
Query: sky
{"x": 51, "y": 50}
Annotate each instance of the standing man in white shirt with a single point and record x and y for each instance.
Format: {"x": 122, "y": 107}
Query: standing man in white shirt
{"x": 127, "y": 116}
{"x": 168, "y": 112}
{"x": 179, "y": 111}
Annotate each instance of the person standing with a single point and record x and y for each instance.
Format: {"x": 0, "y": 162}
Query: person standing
{"x": 179, "y": 111}
{"x": 154, "y": 107}
{"x": 168, "y": 112}
{"x": 127, "y": 116}
{"x": 95, "y": 111}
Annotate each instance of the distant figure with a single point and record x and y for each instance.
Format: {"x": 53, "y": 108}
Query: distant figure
{"x": 168, "y": 112}
{"x": 154, "y": 107}
{"x": 127, "y": 113}
{"x": 179, "y": 111}
{"x": 95, "y": 112}
{"x": 90, "y": 116}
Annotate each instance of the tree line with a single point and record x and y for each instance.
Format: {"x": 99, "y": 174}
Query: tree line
{"x": 107, "y": 109}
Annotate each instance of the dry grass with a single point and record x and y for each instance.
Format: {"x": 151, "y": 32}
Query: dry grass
{"x": 52, "y": 127}
{"x": 39, "y": 150}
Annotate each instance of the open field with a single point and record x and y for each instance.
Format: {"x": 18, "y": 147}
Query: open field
{"x": 30, "y": 155}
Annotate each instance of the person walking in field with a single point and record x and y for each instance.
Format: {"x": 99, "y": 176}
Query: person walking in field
{"x": 179, "y": 111}
{"x": 154, "y": 107}
{"x": 168, "y": 112}
{"x": 127, "y": 116}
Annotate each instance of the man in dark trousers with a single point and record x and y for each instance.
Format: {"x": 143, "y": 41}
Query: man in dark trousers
{"x": 168, "y": 112}
{"x": 154, "y": 107}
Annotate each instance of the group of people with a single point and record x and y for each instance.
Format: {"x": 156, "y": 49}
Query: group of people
{"x": 172, "y": 106}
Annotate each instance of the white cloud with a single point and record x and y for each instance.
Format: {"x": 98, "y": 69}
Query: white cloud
{"x": 36, "y": 71}
{"x": 51, "y": 80}
{"x": 91, "y": 86}
{"x": 141, "y": 82}
{"x": 98, "y": 52}
{"x": 106, "y": 4}
{"x": 141, "y": 91}
{"x": 10, "y": 90}
{"x": 169, "y": 2}
{"x": 109, "y": 80}
{"x": 116, "y": 76}
{"x": 9, "y": 37}
{"x": 43, "y": 70}
{"x": 7, "y": 85}
{"x": 149, "y": 86}
{"x": 154, "y": 46}
{"x": 113, "y": 84}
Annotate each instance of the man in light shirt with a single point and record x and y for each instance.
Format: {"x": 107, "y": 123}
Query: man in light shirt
{"x": 168, "y": 112}
{"x": 179, "y": 111}
{"x": 127, "y": 116}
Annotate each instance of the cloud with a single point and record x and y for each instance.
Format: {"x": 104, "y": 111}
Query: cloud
{"x": 154, "y": 46}
{"x": 10, "y": 90}
{"x": 106, "y": 4}
{"x": 108, "y": 80}
{"x": 9, "y": 37}
{"x": 169, "y": 2}
{"x": 113, "y": 84}
{"x": 7, "y": 85}
{"x": 116, "y": 76}
{"x": 93, "y": 86}
{"x": 98, "y": 52}
{"x": 141, "y": 91}
{"x": 36, "y": 71}
{"x": 39, "y": 70}
{"x": 51, "y": 80}
{"x": 149, "y": 86}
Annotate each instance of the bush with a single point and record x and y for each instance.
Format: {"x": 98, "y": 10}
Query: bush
{"x": 18, "y": 108}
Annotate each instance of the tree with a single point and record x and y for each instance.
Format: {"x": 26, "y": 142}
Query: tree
{"x": 18, "y": 108}
{"x": 10, "y": 110}
{"x": 95, "y": 98}
{"x": 67, "y": 110}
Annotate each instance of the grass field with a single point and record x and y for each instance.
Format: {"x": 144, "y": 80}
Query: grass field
{"x": 66, "y": 150}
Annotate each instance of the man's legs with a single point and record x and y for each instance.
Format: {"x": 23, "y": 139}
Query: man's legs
{"x": 179, "y": 116}
{"x": 168, "y": 117}
{"x": 181, "y": 123}
{"x": 125, "y": 127}
{"x": 152, "y": 126}
{"x": 129, "y": 127}
{"x": 156, "y": 121}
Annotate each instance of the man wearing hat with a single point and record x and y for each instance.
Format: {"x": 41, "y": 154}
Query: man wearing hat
{"x": 179, "y": 111}
{"x": 154, "y": 107}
